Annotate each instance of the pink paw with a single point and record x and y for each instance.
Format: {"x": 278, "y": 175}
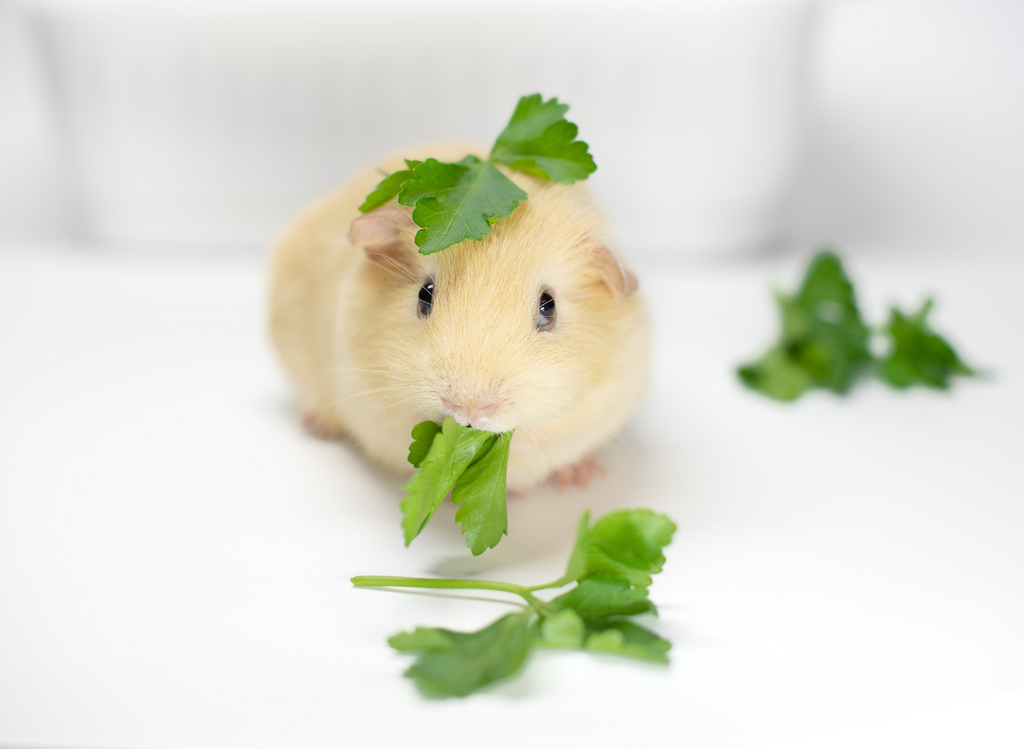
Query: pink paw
{"x": 320, "y": 425}
{"x": 579, "y": 474}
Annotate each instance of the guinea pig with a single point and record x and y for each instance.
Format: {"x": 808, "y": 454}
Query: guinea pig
{"x": 537, "y": 328}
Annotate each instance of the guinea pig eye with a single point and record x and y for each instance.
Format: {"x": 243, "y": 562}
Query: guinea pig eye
{"x": 546, "y": 313}
{"x": 426, "y": 298}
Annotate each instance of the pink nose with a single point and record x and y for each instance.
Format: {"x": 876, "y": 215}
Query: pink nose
{"x": 474, "y": 414}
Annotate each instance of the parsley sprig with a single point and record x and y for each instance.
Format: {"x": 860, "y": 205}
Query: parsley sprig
{"x": 454, "y": 202}
{"x": 918, "y": 355}
{"x": 471, "y": 464}
{"x": 611, "y": 564}
{"x": 825, "y": 343}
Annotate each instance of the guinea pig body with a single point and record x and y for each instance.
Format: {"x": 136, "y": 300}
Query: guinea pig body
{"x": 536, "y": 328}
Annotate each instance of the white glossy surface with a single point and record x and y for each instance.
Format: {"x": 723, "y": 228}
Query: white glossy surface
{"x": 175, "y": 554}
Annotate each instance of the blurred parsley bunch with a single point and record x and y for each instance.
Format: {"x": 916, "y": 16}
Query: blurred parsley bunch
{"x": 825, "y": 343}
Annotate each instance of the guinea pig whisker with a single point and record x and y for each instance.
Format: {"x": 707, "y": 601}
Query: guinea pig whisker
{"x": 371, "y": 391}
{"x": 311, "y": 265}
{"x": 339, "y": 401}
{"x": 628, "y": 446}
{"x": 381, "y": 429}
{"x": 339, "y": 370}
{"x": 400, "y": 269}
{"x": 335, "y": 371}
{"x": 533, "y": 444}
{"x": 552, "y": 445}
{"x": 400, "y": 401}
{"x": 559, "y": 457}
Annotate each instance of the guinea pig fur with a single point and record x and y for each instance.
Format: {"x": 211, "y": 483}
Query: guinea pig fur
{"x": 369, "y": 359}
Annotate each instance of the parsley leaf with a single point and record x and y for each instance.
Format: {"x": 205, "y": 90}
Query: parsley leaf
{"x": 483, "y": 516}
{"x": 777, "y": 375}
{"x": 919, "y": 355}
{"x": 455, "y": 202}
{"x": 626, "y": 638}
{"x": 539, "y": 140}
{"x": 451, "y": 452}
{"x": 626, "y": 544}
{"x": 423, "y": 437}
{"x": 565, "y": 629}
{"x": 612, "y": 563}
{"x": 603, "y": 597}
{"x": 824, "y": 341}
{"x": 460, "y": 201}
{"x": 469, "y": 463}
{"x": 454, "y": 664}
{"x": 389, "y": 187}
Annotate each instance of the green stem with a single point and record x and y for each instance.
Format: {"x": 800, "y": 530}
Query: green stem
{"x": 364, "y": 581}
{"x": 559, "y": 583}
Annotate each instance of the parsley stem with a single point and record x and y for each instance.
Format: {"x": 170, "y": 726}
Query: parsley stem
{"x": 363, "y": 581}
{"x": 559, "y": 583}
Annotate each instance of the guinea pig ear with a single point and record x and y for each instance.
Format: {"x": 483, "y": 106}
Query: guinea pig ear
{"x": 382, "y": 233}
{"x": 619, "y": 280}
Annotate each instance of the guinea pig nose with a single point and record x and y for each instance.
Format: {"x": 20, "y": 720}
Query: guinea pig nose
{"x": 471, "y": 414}
{"x": 457, "y": 412}
{"x": 483, "y": 412}
{"x": 481, "y": 416}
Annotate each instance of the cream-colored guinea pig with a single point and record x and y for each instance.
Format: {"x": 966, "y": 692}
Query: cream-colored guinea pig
{"x": 537, "y": 328}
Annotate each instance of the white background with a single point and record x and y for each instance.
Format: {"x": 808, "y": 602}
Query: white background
{"x": 174, "y": 553}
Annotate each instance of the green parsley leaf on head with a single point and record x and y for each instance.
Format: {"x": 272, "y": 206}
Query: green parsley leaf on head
{"x": 539, "y": 140}
{"x": 389, "y": 187}
{"x": 454, "y": 202}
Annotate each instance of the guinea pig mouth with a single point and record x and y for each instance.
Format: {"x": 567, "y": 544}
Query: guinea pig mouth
{"x": 478, "y": 413}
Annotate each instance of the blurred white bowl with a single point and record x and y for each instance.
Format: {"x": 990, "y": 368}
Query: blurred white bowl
{"x": 213, "y": 125}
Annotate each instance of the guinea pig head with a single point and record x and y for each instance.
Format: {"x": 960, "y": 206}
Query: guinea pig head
{"x": 511, "y": 332}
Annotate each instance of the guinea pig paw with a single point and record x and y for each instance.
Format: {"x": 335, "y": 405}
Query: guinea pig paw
{"x": 578, "y": 474}
{"x": 320, "y": 425}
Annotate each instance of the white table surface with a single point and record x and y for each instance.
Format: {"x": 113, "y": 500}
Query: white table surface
{"x": 175, "y": 552}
